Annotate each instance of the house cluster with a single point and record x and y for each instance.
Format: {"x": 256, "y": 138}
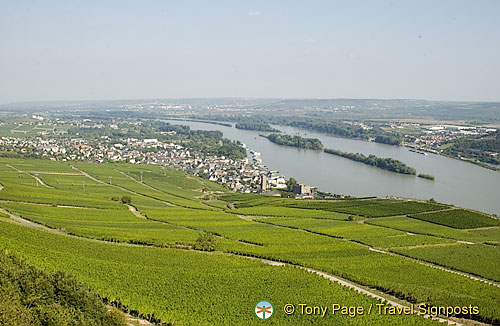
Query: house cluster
{"x": 437, "y": 135}
{"x": 239, "y": 175}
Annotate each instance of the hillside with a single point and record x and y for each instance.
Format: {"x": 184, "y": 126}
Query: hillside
{"x": 139, "y": 236}
{"x": 31, "y": 296}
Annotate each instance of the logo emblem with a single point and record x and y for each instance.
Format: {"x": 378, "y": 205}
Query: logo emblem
{"x": 264, "y": 310}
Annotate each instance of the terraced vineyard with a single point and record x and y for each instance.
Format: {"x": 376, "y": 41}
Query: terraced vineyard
{"x": 458, "y": 219}
{"x": 130, "y": 232}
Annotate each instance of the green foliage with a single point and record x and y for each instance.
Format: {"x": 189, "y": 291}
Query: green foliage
{"x": 388, "y": 164}
{"x": 162, "y": 282}
{"x": 422, "y": 227}
{"x": 290, "y": 183}
{"x": 287, "y": 194}
{"x": 479, "y": 148}
{"x": 295, "y": 141}
{"x": 362, "y": 233}
{"x": 30, "y": 296}
{"x": 346, "y": 130}
{"x": 426, "y": 176}
{"x": 126, "y": 199}
{"x": 206, "y": 241}
{"x": 288, "y": 211}
{"x": 331, "y": 205}
{"x": 333, "y": 127}
{"x": 391, "y": 139}
{"x": 259, "y": 126}
{"x": 381, "y": 208}
{"x": 459, "y": 218}
{"x": 104, "y": 224}
{"x": 462, "y": 257}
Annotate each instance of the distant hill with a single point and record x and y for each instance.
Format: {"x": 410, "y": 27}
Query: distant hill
{"x": 472, "y": 112}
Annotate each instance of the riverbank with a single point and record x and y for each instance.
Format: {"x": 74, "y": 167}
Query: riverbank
{"x": 387, "y": 164}
{"x": 456, "y": 182}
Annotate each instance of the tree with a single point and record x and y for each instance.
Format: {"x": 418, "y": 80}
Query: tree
{"x": 206, "y": 241}
{"x": 290, "y": 184}
{"x": 126, "y": 199}
{"x": 287, "y": 194}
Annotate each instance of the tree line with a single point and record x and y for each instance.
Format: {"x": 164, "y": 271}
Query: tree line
{"x": 388, "y": 164}
{"x": 295, "y": 141}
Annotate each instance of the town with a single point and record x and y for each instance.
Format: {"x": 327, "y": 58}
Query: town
{"x": 247, "y": 175}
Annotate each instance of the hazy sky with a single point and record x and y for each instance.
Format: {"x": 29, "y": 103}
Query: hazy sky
{"x": 446, "y": 50}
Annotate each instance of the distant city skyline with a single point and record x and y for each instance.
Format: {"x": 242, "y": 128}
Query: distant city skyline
{"x": 112, "y": 50}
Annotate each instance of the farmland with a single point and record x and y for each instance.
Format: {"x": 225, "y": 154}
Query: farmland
{"x": 130, "y": 233}
{"x": 150, "y": 279}
{"x": 422, "y": 227}
{"x": 458, "y": 218}
{"x": 462, "y": 257}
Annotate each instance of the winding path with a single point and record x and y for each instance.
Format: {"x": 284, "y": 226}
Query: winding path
{"x": 119, "y": 187}
{"x": 388, "y": 299}
{"x": 31, "y": 175}
{"x": 422, "y": 262}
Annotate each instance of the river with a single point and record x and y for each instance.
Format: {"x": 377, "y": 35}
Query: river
{"x": 459, "y": 183}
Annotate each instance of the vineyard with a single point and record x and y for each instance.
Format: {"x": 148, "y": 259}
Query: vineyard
{"x": 186, "y": 288}
{"x": 453, "y": 256}
{"x": 459, "y": 219}
{"x": 130, "y": 232}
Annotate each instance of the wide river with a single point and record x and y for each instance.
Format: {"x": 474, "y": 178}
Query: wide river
{"x": 459, "y": 183}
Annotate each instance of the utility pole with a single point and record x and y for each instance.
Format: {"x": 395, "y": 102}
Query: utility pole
{"x": 110, "y": 180}
{"x": 141, "y": 176}
{"x": 164, "y": 172}
{"x": 83, "y": 183}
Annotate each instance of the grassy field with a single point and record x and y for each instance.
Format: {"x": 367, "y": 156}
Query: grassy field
{"x": 339, "y": 237}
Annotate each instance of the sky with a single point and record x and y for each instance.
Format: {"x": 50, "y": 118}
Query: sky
{"x": 92, "y": 50}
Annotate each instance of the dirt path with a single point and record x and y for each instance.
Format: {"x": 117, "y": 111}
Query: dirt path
{"x": 144, "y": 184}
{"x": 430, "y": 245}
{"x": 25, "y": 222}
{"x": 17, "y": 170}
{"x": 56, "y": 173}
{"x": 28, "y": 223}
{"x": 483, "y": 228}
{"x": 119, "y": 187}
{"x": 40, "y": 181}
{"x": 40, "y": 204}
{"x": 388, "y": 299}
{"x": 136, "y": 212}
{"x": 422, "y": 262}
{"x": 156, "y": 189}
{"x": 31, "y": 175}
